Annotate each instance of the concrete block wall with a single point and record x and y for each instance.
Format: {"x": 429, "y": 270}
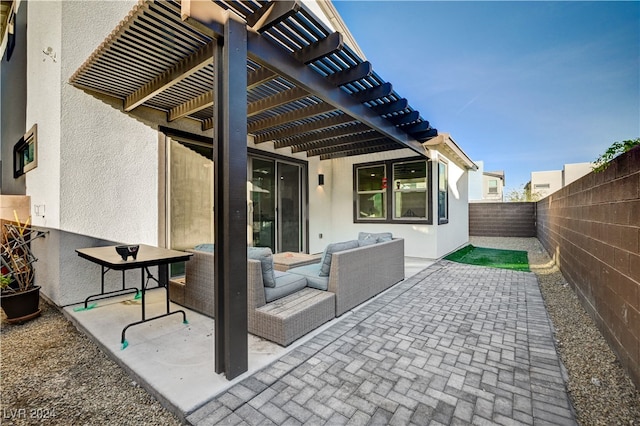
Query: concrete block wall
{"x": 592, "y": 229}
{"x": 502, "y": 219}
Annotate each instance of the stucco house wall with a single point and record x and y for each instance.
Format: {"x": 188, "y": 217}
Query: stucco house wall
{"x": 421, "y": 240}
{"x": 100, "y": 171}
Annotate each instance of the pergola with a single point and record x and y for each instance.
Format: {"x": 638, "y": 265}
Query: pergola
{"x": 269, "y": 69}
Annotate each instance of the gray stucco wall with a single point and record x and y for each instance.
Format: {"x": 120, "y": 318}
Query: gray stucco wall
{"x": 13, "y": 104}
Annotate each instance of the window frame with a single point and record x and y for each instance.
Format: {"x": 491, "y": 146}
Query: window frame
{"x": 27, "y": 142}
{"x": 443, "y": 219}
{"x": 395, "y": 191}
{"x": 492, "y": 189}
{"x": 390, "y": 192}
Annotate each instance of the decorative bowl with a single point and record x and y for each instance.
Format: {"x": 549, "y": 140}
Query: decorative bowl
{"x": 128, "y": 250}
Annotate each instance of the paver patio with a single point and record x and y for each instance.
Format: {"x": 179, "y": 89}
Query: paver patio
{"x": 454, "y": 344}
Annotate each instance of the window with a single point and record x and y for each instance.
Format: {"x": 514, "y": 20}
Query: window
{"x": 443, "y": 193}
{"x": 541, "y": 185}
{"x": 371, "y": 192}
{"x": 410, "y": 190}
{"x": 493, "y": 186}
{"x": 393, "y": 191}
{"x": 25, "y": 153}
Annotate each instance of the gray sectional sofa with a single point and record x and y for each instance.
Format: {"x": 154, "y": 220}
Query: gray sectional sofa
{"x": 300, "y": 300}
{"x": 284, "y": 306}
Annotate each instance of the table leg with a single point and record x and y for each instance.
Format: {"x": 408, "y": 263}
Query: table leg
{"x": 107, "y": 294}
{"x": 163, "y": 272}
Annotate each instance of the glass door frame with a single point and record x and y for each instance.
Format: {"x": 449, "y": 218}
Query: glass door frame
{"x": 303, "y": 193}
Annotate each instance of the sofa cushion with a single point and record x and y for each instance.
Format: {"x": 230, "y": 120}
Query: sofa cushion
{"x": 379, "y": 237}
{"x": 285, "y": 284}
{"x": 264, "y": 255}
{"x": 204, "y": 247}
{"x": 325, "y": 263}
{"x": 312, "y": 274}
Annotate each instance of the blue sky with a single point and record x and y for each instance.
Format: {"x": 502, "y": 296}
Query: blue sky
{"x": 523, "y": 86}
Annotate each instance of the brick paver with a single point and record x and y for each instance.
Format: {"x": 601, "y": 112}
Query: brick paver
{"x": 455, "y": 344}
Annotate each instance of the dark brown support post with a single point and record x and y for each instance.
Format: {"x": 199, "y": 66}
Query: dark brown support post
{"x": 230, "y": 187}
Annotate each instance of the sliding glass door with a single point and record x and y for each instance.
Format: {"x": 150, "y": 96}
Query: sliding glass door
{"x": 276, "y": 202}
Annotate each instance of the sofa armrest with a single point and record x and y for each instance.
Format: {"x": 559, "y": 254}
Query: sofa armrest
{"x": 358, "y": 274}
{"x": 199, "y": 278}
{"x": 255, "y": 286}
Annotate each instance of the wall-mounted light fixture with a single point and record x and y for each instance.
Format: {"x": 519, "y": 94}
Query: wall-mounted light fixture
{"x": 320, "y": 179}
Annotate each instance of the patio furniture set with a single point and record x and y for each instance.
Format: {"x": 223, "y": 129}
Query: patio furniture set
{"x": 291, "y": 294}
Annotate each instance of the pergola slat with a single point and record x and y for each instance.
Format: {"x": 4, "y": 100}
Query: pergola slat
{"x": 303, "y": 128}
{"x": 279, "y": 120}
{"x": 173, "y": 75}
{"x": 319, "y": 136}
{"x": 342, "y": 140}
{"x": 193, "y": 105}
{"x": 382, "y": 142}
{"x": 278, "y": 99}
{"x": 258, "y": 77}
{"x": 360, "y": 151}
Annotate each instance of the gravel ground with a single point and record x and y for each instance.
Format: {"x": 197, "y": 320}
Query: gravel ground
{"x": 601, "y": 392}
{"x": 53, "y": 374}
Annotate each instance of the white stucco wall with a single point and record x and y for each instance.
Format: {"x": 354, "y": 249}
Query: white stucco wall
{"x": 427, "y": 241}
{"x": 552, "y": 177}
{"x": 454, "y": 234}
{"x": 109, "y": 160}
{"x": 476, "y": 182}
{"x": 574, "y": 171}
{"x": 43, "y": 108}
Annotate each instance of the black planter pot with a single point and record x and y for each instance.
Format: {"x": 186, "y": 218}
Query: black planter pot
{"x": 21, "y": 306}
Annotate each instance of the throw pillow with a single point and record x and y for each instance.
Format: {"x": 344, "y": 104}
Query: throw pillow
{"x": 367, "y": 242}
{"x": 264, "y": 255}
{"x": 378, "y": 237}
{"x": 332, "y": 248}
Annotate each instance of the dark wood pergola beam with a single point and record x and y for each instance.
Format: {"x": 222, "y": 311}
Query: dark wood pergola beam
{"x": 170, "y": 77}
{"x": 258, "y": 77}
{"x": 350, "y": 75}
{"x": 391, "y": 107}
{"x": 342, "y": 140}
{"x": 207, "y": 16}
{"x": 282, "y": 98}
{"x": 383, "y": 142}
{"x": 267, "y": 54}
{"x": 399, "y": 120}
{"x": 272, "y": 14}
{"x": 323, "y": 135}
{"x": 373, "y": 93}
{"x": 301, "y": 129}
{"x": 282, "y": 119}
{"x": 358, "y": 151}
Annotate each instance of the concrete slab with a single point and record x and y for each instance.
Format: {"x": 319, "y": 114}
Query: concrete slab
{"x": 172, "y": 360}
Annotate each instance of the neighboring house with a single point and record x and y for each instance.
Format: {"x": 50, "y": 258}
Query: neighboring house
{"x": 115, "y": 100}
{"x": 485, "y": 186}
{"x": 548, "y": 182}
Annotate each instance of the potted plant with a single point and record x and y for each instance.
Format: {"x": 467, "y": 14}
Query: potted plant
{"x": 19, "y": 295}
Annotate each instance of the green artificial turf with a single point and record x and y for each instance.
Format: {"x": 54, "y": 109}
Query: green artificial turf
{"x": 495, "y": 258}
